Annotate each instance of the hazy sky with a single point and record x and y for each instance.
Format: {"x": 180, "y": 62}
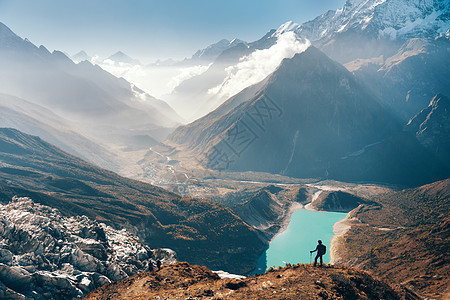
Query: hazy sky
{"x": 150, "y": 29}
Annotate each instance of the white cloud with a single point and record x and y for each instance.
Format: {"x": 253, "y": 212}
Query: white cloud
{"x": 185, "y": 74}
{"x": 258, "y": 65}
{"x": 158, "y": 81}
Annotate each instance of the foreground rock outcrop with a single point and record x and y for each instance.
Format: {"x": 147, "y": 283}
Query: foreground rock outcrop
{"x": 44, "y": 255}
{"x": 184, "y": 281}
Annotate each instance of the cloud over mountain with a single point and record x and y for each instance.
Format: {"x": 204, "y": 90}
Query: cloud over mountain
{"x": 259, "y": 64}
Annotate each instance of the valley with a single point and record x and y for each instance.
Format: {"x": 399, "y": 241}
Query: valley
{"x": 235, "y": 159}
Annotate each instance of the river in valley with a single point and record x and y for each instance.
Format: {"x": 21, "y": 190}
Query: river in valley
{"x": 301, "y": 235}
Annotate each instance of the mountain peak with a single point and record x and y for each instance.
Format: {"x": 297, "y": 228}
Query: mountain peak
{"x": 81, "y": 56}
{"x": 120, "y": 57}
{"x": 288, "y": 26}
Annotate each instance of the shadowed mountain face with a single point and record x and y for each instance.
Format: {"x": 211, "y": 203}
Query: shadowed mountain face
{"x": 408, "y": 79}
{"x": 199, "y": 231}
{"x": 312, "y": 118}
{"x": 432, "y": 127}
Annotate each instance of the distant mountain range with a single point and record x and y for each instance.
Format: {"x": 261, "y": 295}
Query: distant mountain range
{"x": 37, "y": 120}
{"x": 303, "y": 121}
{"x": 92, "y": 102}
{"x": 360, "y": 30}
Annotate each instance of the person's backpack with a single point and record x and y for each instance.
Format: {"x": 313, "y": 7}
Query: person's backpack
{"x": 322, "y": 250}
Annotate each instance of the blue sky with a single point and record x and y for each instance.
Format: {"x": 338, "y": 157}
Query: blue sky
{"x": 150, "y": 29}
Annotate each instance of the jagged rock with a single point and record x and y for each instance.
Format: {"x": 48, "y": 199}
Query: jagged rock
{"x": 5, "y": 256}
{"x": 44, "y": 255}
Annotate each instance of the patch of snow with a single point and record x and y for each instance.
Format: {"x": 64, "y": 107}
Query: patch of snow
{"x": 224, "y": 275}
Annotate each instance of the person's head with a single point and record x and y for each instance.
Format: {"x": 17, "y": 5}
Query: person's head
{"x": 320, "y": 242}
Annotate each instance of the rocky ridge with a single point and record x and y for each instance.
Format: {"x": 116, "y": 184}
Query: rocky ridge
{"x": 44, "y": 255}
{"x": 184, "y": 281}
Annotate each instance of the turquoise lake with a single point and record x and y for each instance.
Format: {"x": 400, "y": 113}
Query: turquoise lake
{"x": 293, "y": 244}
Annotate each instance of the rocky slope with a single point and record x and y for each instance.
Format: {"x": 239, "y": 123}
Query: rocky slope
{"x": 184, "y": 281}
{"x": 200, "y": 231}
{"x": 44, "y": 254}
{"x": 405, "y": 240}
{"x": 432, "y": 127}
{"x": 338, "y": 201}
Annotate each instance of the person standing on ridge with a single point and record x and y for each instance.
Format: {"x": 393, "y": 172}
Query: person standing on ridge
{"x": 158, "y": 264}
{"x": 321, "y": 250}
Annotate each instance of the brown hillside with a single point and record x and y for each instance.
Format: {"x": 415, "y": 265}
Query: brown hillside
{"x": 406, "y": 240}
{"x": 184, "y": 281}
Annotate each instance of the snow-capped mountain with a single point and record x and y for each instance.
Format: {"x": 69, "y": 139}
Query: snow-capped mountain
{"x": 43, "y": 252}
{"x": 382, "y": 18}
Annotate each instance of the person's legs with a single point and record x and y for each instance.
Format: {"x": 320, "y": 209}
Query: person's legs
{"x": 321, "y": 260}
{"x": 315, "y": 259}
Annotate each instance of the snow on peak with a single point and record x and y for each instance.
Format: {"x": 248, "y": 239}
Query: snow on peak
{"x": 383, "y": 18}
{"x": 286, "y": 27}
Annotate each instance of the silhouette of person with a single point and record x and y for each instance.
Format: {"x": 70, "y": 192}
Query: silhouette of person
{"x": 321, "y": 250}
{"x": 158, "y": 264}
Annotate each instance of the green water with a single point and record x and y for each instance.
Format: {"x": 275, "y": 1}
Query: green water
{"x": 293, "y": 244}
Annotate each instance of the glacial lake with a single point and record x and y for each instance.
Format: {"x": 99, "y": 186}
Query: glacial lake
{"x": 301, "y": 235}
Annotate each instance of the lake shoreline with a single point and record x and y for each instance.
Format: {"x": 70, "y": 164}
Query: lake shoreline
{"x": 340, "y": 228}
